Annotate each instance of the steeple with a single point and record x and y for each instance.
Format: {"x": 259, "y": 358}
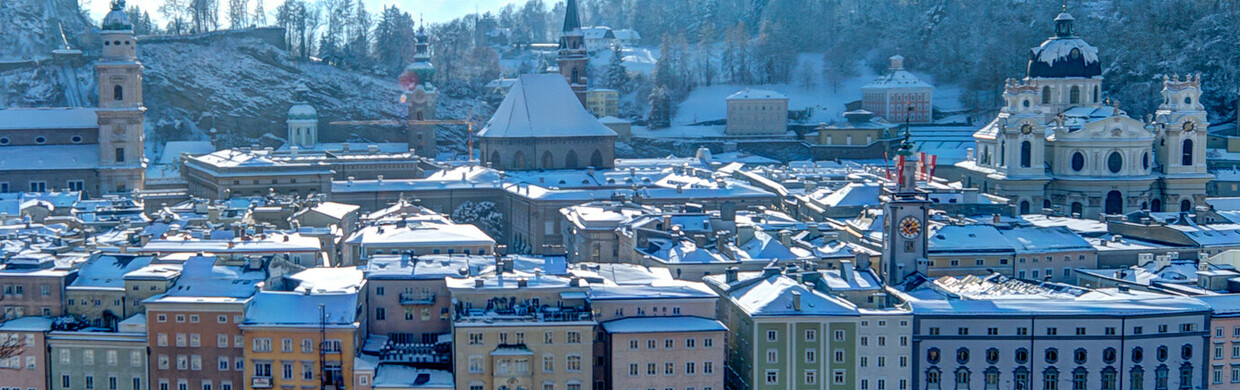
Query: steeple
{"x": 572, "y": 22}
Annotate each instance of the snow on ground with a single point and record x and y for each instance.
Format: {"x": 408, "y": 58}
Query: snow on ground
{"x": 636, "y": 59}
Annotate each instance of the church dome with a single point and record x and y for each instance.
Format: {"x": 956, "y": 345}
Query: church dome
{"x": 1065, "y": 54}
{"x": 301, "y": 109}
{"x": 117, "y": 20}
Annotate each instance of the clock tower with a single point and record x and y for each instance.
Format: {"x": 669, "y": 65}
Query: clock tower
{"x": 420, "y": 96}
{"x": 904, "y": 221}
{"x": 121, "y": 164}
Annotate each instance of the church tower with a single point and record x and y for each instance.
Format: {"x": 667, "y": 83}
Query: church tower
{"x": 121, "y": 164}
{"x": 420, "y": 96}
{"x": 303, "y": 121}
{"x": 1180, "y": 124}
{"x": 572, "y": 56}
{"x": 904, "y": 221}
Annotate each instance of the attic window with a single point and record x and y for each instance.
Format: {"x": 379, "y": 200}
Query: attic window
{"x": 4, "y": 140}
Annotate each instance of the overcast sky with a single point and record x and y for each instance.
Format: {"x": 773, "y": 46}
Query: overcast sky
{"x": 434, "y": 11}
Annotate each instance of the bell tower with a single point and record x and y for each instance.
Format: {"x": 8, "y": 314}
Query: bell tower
{"x": 904, "y": 220}
{"x": 420, "y": 96}
{"x": 572, "y": 55}
{"x": 122, "y": 167}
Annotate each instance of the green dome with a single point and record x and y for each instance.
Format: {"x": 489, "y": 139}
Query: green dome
{"x": 117, "y": 20}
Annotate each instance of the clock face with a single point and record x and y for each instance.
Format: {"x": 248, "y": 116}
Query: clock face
{"x": 419, "y": 96}
{"x": 1026, "y": 129}
{"x": 909, "y": 227}
{"x": 1188, "y": 126}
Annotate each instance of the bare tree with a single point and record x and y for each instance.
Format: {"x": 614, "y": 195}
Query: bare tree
{"x": 10, "y": 347}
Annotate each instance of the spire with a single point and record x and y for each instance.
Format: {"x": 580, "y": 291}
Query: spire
{"x": 571, "y": 20}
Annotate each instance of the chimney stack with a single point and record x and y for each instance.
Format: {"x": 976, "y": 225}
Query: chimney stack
{"x": 796, "y": 300}
{"x": 731, "y": 274}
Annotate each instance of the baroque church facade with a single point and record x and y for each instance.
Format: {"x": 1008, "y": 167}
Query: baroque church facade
{"x": 1058, "y": 146}
{"x": 98, "y": 150}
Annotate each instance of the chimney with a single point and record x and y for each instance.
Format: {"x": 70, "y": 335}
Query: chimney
{"x": 730, "y": 275}
{"x": 846, "y": 271}
{"x": 861, "y": 260}
{"x": 293, "y": 150}
{"x": 770, "y": 271}
{"x": 968, "y": 154}
{"x": 523, "y": 282}
{"x": 380, "y": 179}
{"x": 997, "y": 218}
{"x": 479, "y": 283}
{"x": 785, "y": 238}
{"x": 796, "y": 300}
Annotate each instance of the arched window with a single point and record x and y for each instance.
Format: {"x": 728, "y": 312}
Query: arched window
{"x": 574, "y": 79}
{"x": 1026, "y": 154}
{"x": 1002, "y": 154}
{"x": 1052, "y": 355}
{"x": 1145, "y": 160}
{"x": 1186, "y": 375}
{"x": 1046, "y": 95}
{"x": 419, "y": 114}
{"x": 991, "y": 377}
{"x": 1187, "y": 158}
{"x": 934, "y": 378}
{"x": 1109, "y": 378}
{"x": 1114, "y": 205}
{"x": 1074, "y": 95}
{"x": 1022, "y": 355}
{"x": 1156, "y": 205}
{"x": 518, "y": 160}
{"x": 962, "y": 355}
{"x": 992, "y": 355}
{"x": 1024, "y": 207}
{"x": 1186, "y": 206}
{"x": 1078, "y": 209}
{"x": 1020, "y": 378}
{"x": 1160, "y": 377}
{"x": 962, "y": 378}
{"x": 1095, "y": 94}
{"x": 1108, "y": 355}
{"x": 548, "y": 162}
{"x": 118, "y": 93}
{"x": 495, "y": 160}
{"x": 596, "y": 159}
{"x": 1080, "y": 379}
{"x": 570, "y": 159}
{"x": 1046, "y": 203}
{"x": 1078, "y": 161}
{"x": 1050, "y": 379}
{"x": 1136, "y": 377}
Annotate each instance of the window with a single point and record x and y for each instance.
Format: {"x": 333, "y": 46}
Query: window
{"x": 1026, "y": 154}
{"x": 690, "y": 343}
{"x": 772, "y": 377}
{"x": 1052, "y": 355}
{"x": 475, "y": 339}
{"x": 708, "y": 367}
{"x": 1050, "y": 379}
{"x": 708, "y": 342}
{"x": 573, "y": 363}
{"x": 548, "y": 363}
{"x": 38, "y": 186}
{"x": 1186, "y": 158}
{"x": 633, "y": 369}
{"x": 75, "y": 185}
{"x": 1115, "y": 162}
{"x": 811, "y": 356}
{"x": 574, "y": 338}
{"x": 1052, "y": 331}
{"x": 839, "y": 335}
{"x": 120, "y": 155}
{"x": 962, "y": 331}
{"x": 837, "y": 377}
{"x": 811, "y": 335}
{"x": 811, "y": 377}
{"x": 771, "y": 335}
{"x": 1074, "y": 95}
{"x": 1046, "y": 95}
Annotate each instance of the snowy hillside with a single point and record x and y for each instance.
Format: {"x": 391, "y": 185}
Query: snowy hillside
{"x": 32, "y": 28}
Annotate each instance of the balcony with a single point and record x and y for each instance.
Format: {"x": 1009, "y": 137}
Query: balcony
{"x": 417, "y": 299}
{"x": 260, "y": 382}
{"x": 526, "y": 313}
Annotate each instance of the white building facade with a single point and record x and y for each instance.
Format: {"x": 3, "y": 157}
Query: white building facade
{"x": 1058, "y": 145}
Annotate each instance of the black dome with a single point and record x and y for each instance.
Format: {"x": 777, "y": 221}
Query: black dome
{"x": 1064, "y": 55}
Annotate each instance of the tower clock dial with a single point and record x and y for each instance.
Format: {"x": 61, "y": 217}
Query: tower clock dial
{"x": 909, "y": 227}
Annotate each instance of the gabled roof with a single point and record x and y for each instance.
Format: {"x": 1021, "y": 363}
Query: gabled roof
{"x": 543, "y": 105}
{"x": 48, "y": 118}
{"x": 774, "y": 296}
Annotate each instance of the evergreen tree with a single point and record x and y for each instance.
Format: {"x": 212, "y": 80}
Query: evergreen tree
{"x": 617, "y": 74}
{"x": 660, "y": 115}
{"x": 392, "y": 34}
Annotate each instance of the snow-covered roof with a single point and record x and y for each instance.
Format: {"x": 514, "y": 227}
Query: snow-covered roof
{"x": 398, "y": 376}
{"x": 430, "y": 267}
{"x": 674, "y": 289}
{"x": 329, "y": 280}
{"x": 997, "y": 295}
{"x": 200, "y": 277}
{"x": 49, "y": 157}
{"x": 174, "y": 149}
{"x": 417, "y": 233}
{"x": 1223, "y": 304}
{"x": 27, "y": 324}
{"x": 675, "y": 324}
{"x": 756, "y": 94}
{"x": 296, "y": 308}
{"x": 1045, "y": 239}
{"x": 897, "y": 79}
{"x": 335, "y": 210}
{"x": 543, "y": 105}
{"x": 48, "y": 118}
{"x": 968, "y": 238}
{"x": 854, "y": 194}
{"x": 775, "y": 295}
{"x": 107, "y": 271}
